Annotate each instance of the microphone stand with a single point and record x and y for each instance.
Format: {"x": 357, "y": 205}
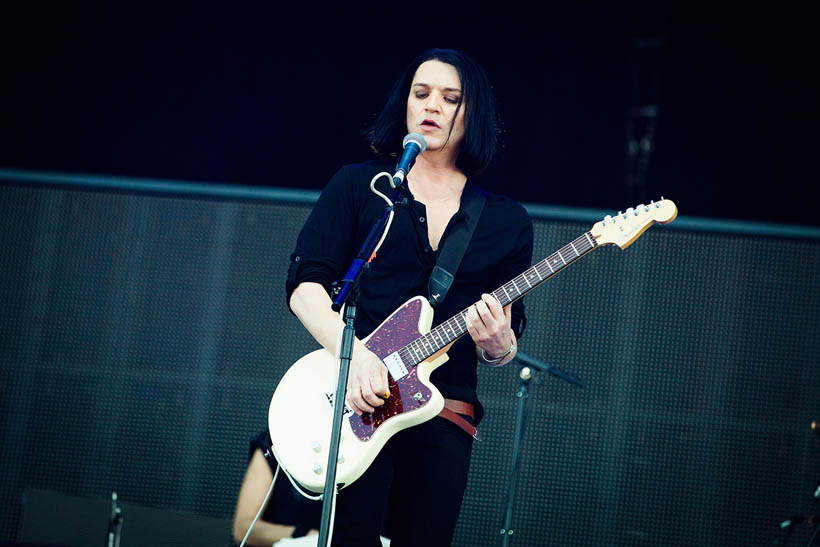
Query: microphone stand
{"x": 814, "y": 535}
{"x": 522, "y": 410}
{"x": 812, "y": 521}
{"x": 346, "y": 293}
{"x": 112, "y": 538}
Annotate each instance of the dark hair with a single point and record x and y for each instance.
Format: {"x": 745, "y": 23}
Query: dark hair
{"x": 480, "y": 138}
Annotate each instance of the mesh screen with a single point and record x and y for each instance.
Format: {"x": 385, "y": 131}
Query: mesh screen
{"x": 141, "y": 338}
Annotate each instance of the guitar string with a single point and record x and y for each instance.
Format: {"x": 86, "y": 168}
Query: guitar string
{"x": 426, "y": 345}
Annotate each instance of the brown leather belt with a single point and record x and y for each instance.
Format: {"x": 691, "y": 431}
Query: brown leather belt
{"x": 454, "y": 409}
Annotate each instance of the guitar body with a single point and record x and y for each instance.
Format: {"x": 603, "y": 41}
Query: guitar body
{"x": 301, "y": 410}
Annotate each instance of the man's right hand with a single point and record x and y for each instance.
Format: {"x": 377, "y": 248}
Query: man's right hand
{"x": 367, "y": 379}
{"x": 367, "y": 385}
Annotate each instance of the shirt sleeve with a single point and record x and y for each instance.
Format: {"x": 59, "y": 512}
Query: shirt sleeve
{"x": 324, "y": 246}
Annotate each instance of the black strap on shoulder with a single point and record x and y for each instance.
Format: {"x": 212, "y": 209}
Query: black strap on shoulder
{"x": 452, "y": 252}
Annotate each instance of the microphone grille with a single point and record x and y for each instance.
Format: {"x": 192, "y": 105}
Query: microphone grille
{"x": 416, "y": 138}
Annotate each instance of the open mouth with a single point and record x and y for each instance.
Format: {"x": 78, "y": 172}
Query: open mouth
{"x": 430, "y": 124}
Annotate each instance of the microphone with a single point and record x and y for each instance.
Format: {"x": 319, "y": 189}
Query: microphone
{"x": 413, "y": 144}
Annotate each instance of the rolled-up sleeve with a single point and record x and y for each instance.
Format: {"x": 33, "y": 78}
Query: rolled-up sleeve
{"x": 324, "y": 246}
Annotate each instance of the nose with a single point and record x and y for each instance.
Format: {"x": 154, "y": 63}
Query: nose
{"x": 432, "y": 104}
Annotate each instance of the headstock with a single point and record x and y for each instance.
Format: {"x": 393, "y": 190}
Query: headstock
{"x": 625, "y": 227}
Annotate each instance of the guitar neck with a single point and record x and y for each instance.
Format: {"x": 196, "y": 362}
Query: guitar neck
{"x": 454, "y": 328}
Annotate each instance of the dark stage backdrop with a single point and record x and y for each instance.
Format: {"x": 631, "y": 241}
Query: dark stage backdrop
{"x": 252, "y": 92}
{"x": 142, "y": 335}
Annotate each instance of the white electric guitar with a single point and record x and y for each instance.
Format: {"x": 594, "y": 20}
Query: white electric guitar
{"x": 301, "y": 411}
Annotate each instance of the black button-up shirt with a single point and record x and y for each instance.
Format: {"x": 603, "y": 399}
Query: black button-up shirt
{"x": 500, "y": 249}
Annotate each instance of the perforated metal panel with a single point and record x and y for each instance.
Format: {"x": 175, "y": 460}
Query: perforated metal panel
{"x": 700, "y": 355}
{"x": 141, "y": 337}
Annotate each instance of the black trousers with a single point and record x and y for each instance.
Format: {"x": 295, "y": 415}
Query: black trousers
{"x": 411, "y": 493}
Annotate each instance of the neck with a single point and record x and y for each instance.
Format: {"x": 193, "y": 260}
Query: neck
{"x": 436, "y": 165}
{"x": 435, "y": 177}
{"x": 442, "y": 156}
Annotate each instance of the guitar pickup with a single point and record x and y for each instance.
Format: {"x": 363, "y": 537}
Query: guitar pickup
{"x": 395, "y": 365}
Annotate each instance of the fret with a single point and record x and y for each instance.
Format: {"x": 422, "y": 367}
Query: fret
{"x": 437, "y": 342}
{"x": 445, "y": 337}
{"x": 591, "y": 244}
{"x": 461, "y": 321}
{"x": 509, "y": 290}
{"x": 527, "y": 280}
{"x": 574, "y": 249}
{"x": 420, "y": 349}
{"x": 516, "y": 286}
{"x": 426, "y": 345}
{"x": 462, "y": 325}
{"x": 418, "y": 355}
{"x": 562, "y": 258}
{"x": 412, "y": 358}
{"x": 528, "y": 275}
{"x": 406, "y": 357}
{"x": 506, "y": 293}
{"x": 449, "y": 324}
{"x": 548, "y": 264}
{"x": 408, "y": 351}
{"x": 540, "y": 278}
{"x": 429, "y": 343}
{"x": 452, "y": 332}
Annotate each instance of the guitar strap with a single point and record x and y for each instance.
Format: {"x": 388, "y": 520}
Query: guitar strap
{"x": 449, "y": 259}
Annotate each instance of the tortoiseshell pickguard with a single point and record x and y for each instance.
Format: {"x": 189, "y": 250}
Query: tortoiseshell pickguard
{"x": 400, "y": 329}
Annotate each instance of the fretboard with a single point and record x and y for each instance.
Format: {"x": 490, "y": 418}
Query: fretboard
{"x": 451, "y": 330}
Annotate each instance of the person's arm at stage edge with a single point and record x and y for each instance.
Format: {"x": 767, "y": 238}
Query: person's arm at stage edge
{"x": 367, "y": 379}
{"x": 251, "y": 494}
